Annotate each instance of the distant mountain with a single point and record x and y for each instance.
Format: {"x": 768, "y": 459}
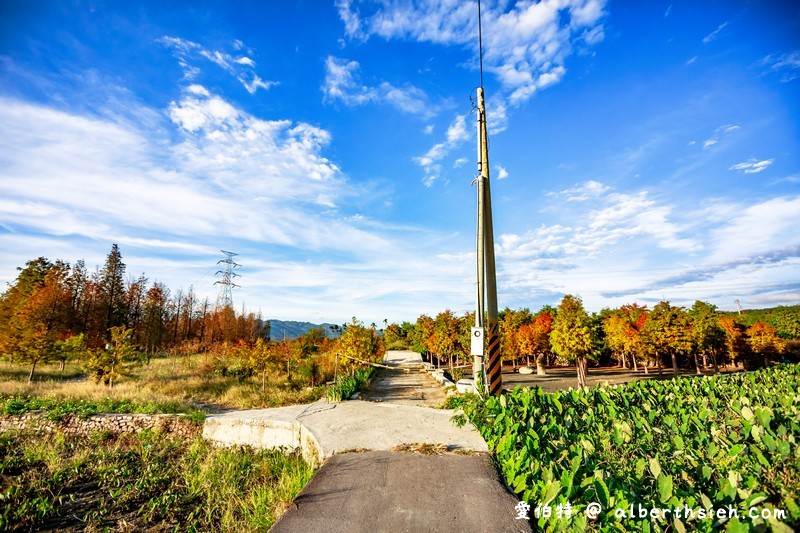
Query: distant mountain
{"x": 293, "y": 329}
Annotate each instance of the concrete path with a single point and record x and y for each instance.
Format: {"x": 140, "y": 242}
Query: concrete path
{"x": 385, "y": 487}
{"x": 406, "y": 382}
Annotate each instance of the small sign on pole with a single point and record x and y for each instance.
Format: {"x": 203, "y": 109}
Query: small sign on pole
{"x": 477, "y": 341}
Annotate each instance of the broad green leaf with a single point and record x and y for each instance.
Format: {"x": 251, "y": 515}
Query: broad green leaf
{"x": 755, "y": 499}
{"x": 664, "y": 483}
{"x": 639, "y": 468}
{"x": 655, "y": 468}
{"x": 764, "y": 416}
{"x": 706, "y": 501}
{"x": 706, "y": 472}
{"x": 550, "y": 492}
{"x": 747, "y": 413}
{"x": 602, "y": 492}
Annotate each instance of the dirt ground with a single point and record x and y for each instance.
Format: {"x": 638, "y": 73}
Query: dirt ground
{"x": 562, "y": 378}
{"x": 407, "y": 385}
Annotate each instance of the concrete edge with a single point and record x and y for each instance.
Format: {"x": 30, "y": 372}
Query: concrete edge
{"x": 265, "y": 433}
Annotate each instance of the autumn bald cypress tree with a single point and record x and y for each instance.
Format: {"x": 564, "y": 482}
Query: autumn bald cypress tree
{"x": 573, "y": 336}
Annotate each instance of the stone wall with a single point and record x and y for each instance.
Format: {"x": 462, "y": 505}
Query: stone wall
{"x": 113, "y": 423}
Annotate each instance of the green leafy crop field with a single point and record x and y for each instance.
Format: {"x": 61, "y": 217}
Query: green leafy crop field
{"x": 704, "y": 453}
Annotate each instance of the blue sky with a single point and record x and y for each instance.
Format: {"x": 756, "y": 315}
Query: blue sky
{"x": 639, "y": 150}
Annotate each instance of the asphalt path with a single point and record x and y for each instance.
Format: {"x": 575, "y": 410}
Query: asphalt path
{"x": 404, "y": 492}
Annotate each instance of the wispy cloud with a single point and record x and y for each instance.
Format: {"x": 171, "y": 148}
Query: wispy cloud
{"x": 502, "y": 173}
{"x": 342, "y": 84}
{"x": 616, "y": 251}
{"x": 241, "y": 67}
{"x": 714, "y": 34}
{"x": 720, "y": 133}
{"x": 786, "y": 66}
{"x": 430, "y": 162}
{"x": 753, "y": 166}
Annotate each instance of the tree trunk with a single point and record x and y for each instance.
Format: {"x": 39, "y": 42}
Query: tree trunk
{"x": 635, "y": 367}
{"x": 624, "y": 361}
{"x": 714, "y": 360}
{"x": 61, "y": 365}
{"x": 580, "y": 364}
{"x": 705, "y": 360}
{"x": 674, "y": 364}
{"x": 30, "y": 376}
{"x": 263, "y": 382}
{"x": 697, "y": 365}
{"x": 540, "y": 370}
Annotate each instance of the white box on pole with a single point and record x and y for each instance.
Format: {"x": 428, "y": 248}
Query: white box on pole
{"x": 477, "y": 341}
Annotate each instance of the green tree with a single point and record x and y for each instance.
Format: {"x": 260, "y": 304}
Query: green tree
{"x": 573, "y": 336}
{"x": 707, "y": 334}
{"x": 358, "y": 343}
{"x": 70, "y": 349}
{"x": 668, "y": 332}
{"x": 264, "y": 358}
{"x": 107, "y": 365}
{"x": 112, "y": 289}
{"x": 421, "y": 335}
{"x": 395, "y": 337}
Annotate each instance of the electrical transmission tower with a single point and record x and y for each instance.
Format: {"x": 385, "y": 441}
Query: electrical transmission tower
{"x": 226, "y": 283}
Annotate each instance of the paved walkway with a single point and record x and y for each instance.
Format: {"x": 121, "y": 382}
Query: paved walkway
{"x": 382, "y": 484}
{"x": 406, "y": 382}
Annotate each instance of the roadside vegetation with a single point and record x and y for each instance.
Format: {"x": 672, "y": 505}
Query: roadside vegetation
{"x": 62, "y": 327}
{"x": 145, "y": 481}
{"x": 700, "y": 339}
{"x": 692, "y": 443}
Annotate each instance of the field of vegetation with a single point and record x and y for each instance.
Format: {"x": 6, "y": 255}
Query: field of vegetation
{"x": 696, "y": 444}
{"x": 146, "y": 481}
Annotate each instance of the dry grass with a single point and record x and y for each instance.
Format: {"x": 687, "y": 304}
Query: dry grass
{"x": 184, "y": 379}
{"x": 422, "y": 448}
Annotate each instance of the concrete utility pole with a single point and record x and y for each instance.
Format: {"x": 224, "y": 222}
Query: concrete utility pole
{"x": 226, "y": 283}
{"x": 487, "y": 277}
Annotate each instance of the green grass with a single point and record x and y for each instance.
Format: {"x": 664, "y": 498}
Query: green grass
{"x": 142, "y": 481}
{"x": 55, "y": 409}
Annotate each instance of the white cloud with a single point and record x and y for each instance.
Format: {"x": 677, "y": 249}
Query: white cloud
{"x": 460, "y": 162}
{"x": 752, "y": 166}
{"x": 430, "y": 162}
{"x": 220, "y": 178}
{"x": 585, "y": 191}
{"x": 525, "y": 45}
{"x": 342, "y": 83}
{"x": 719, "y": 134}
{"x": 502, "y": 173}
{"x": 625, "y": 247}
{"x": 761, "y": 229}
{"x": 786, "y": 65}
{"x": 241, "y": 67}
{"x": 714, "y": 34}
